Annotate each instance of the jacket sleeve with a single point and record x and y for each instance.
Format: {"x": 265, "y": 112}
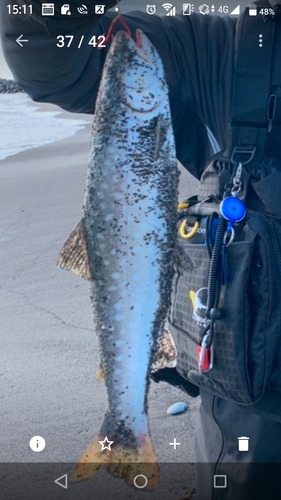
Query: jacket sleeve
{"x": 197, "y": 54}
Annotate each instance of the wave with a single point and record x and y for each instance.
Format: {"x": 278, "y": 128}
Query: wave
{"x": 24, "y": 126}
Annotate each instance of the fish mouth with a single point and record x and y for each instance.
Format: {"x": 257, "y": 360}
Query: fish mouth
{"x": 142, "y": 45}
{"x": 143, "y": 48}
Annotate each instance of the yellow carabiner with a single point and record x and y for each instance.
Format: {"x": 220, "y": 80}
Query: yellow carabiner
{"x": 182, "y": 229}
{"x": 183, "y": 205}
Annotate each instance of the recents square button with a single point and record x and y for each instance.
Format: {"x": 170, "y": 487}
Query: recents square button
{"x": 220, "y": 481}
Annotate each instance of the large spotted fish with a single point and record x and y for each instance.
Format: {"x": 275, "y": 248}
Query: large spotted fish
{"x": 124, "y": 246}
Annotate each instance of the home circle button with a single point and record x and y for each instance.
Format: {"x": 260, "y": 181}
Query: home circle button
{"x": 140, "y": 481}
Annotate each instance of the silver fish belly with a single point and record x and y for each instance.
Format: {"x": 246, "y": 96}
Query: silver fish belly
{"x": 124, "y": 246}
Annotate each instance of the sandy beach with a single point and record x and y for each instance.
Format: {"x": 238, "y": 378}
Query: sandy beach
{"x": 49, "y": 351}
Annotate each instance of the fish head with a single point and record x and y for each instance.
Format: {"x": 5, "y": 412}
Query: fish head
{"x": 140, "y": 76}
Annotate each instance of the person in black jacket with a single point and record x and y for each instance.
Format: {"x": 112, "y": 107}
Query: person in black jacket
{"x": 198, "y": 56}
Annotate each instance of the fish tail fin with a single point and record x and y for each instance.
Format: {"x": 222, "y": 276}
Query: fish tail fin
{"x": 123, "y": 460}
{"x": 92, "y": 459}
{"x": 139, "y": 460}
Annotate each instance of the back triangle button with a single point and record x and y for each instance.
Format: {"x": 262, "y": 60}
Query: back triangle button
{"x": 62, "y": 481}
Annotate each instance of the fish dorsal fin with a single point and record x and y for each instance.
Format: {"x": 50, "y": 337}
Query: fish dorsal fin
{"x": 74, "y": 254}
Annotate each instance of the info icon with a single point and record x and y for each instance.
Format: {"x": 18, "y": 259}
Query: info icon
{"x": 37, "y": 443}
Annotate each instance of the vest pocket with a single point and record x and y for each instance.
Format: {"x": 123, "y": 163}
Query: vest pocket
{"x": 246, "y": 338}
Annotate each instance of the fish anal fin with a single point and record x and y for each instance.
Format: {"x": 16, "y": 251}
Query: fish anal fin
{"x": 74, "y": 254}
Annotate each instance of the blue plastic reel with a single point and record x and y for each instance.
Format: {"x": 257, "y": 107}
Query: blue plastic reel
{"x": 233, "y": 209}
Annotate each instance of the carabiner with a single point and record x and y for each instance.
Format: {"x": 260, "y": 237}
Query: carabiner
{"x": 193, "y": 231}
{"x": 205, "y": 354}
{"x": 230, "y": 233}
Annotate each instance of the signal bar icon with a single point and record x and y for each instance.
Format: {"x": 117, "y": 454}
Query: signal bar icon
{"x": 171, "y": 10}
{"x": 236, "y": 11}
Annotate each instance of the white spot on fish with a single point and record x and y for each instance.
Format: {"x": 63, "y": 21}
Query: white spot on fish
{"x": 116, "y": 276}
{"x": 100, "y": 236}
{"x": 119, "y": 317}
{"x": 115, "y": 178}
{"x": 137, "y": 250}
{"x": 112, "y": 288}
{"x": 123, "y": 262}
{"x": 137, "y": 277}
{"x": 138, "y": 235}
{"x": 108, "y": 217}
{"x": 106, "y": 263}
{"x": 119, "y": 357}
{"x": 118, "y": 196}
{"x": 118, "y": 306}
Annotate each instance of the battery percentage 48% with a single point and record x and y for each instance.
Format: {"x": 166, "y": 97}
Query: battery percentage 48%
{"x": 267, "y": 12}
{"x": 66, "y": 41}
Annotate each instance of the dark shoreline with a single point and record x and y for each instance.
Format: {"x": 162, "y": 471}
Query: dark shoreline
{"x": 9, "y": 87}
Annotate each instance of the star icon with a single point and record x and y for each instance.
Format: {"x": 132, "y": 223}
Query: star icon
{"x": 108, "y": 444}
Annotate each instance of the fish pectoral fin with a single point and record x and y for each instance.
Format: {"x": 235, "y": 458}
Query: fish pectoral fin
{"x": 100, "y": 374}
{"x": 74, "y": 253}
{"x": 122, "y": 461}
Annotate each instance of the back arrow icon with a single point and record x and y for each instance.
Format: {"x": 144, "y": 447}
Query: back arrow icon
{"x": 19, "y": 40}
{"x": 62, "y": 481}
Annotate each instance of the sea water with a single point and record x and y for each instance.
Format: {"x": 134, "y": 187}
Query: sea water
{"x": 24, "y": 125}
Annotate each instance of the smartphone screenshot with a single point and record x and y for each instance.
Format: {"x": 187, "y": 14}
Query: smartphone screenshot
{"x": 110, "y": 116}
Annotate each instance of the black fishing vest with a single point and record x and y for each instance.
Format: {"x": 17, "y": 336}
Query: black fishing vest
{"x": 225, "y": 314}
{"x": 255, "y": 123}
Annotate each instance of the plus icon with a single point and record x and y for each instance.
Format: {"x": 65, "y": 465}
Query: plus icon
{"x": 174, "y": 444}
